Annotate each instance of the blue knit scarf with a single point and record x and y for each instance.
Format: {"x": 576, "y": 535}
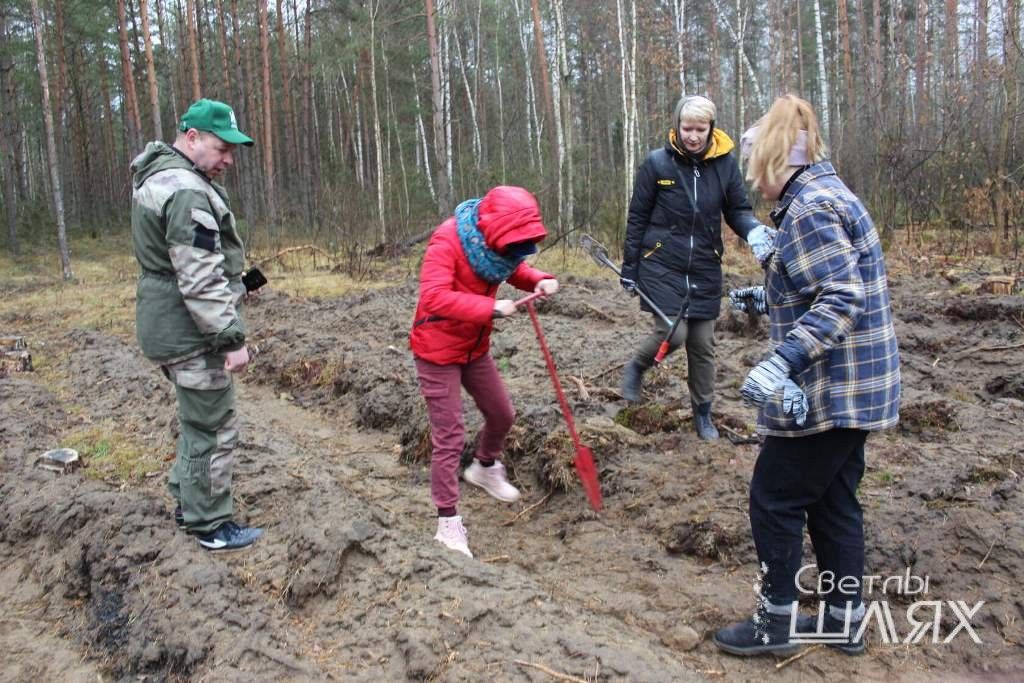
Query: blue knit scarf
{"x": 488, "y": 265}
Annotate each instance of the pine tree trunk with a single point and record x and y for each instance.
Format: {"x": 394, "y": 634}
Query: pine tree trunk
{"x": 131, "y": 102}
{"x": 154, "y": 93}
{"x": 51, "y": 145}
{"x": 545, "y": 85}
{"x": 193, "y": 51}
{"x": 286, "y": 88}
{"x": 8, "y": 137}
{"x": 268, "y": 120}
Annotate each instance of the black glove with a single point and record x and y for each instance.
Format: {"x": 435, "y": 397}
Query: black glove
{"x": 628, "y": 285}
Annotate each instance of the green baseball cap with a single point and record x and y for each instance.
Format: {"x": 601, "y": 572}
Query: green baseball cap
{"x": 217, "y": 118}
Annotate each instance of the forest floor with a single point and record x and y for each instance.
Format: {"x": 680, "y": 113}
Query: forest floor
{"x": 347, "y": 583}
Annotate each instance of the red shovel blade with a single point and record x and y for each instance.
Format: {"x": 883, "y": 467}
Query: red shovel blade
{"x": 588, "y": 476}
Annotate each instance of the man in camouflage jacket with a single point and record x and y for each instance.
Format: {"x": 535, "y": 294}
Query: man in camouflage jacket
{"x": 188, "y": 315}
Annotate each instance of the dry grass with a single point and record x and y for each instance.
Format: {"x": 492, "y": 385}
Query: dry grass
{"x": 110, "y": 455}
{"x": 37, "y": 303}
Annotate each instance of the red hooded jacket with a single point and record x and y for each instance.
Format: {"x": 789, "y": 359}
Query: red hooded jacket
{"x": 453, "y": 319}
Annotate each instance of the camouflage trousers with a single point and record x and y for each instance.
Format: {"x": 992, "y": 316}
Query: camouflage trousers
{"x": 200, "y": 479}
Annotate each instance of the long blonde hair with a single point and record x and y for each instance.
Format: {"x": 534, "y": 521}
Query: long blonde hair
{"x": 777, "y": 133}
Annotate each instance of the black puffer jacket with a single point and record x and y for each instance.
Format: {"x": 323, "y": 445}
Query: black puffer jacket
{"x": 669, "y": 248}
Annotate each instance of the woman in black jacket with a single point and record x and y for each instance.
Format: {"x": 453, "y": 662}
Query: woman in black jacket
{"x": 673, "y": 248}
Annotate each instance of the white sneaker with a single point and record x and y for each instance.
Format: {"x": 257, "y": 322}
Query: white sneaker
{"x": 452, "y": 534}
{"x": 491, "y": 479}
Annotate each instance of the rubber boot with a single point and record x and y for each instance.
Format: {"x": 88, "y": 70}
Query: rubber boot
{"x": 632, "y": 379}
{"x": 702, "y": 422}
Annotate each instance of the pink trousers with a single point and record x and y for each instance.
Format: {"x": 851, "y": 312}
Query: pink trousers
{"x": 440, "y": 386}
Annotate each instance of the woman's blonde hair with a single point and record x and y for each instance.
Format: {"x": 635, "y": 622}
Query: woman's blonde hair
{"x": 778, "y": 132}
{"x": 694, "y": 108}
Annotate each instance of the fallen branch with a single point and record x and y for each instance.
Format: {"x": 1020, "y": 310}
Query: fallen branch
{"x": 292, "y": 250}
{"x": 979, "y": 349}
{"x": 523, "y": 512}
{"x": 599, "y": 313}
{"x": 987, "y": 554}
{"x": 804, "y": 653}
{"x": 605, "y": 372}
{"x": 550, "y": 672}
{"x": 581, "y": 387}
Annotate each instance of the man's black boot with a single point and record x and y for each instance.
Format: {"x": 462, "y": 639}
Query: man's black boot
{"x": 702, "y": 421}
{"x": 632, "y": 379}
{"x": 762, "y": 634}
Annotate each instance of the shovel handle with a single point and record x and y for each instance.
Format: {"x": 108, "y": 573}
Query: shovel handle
{"x": 662, "y": 352}
{"x": 527, "y": 299}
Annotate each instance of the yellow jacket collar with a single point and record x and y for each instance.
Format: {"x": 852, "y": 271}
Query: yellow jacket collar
{"x": 721, "y": 144}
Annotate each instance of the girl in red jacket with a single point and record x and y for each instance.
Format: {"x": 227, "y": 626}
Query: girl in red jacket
{"x": 468, "y": 257}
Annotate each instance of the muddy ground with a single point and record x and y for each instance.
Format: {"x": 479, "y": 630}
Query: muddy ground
{"x": 96, "y": 581}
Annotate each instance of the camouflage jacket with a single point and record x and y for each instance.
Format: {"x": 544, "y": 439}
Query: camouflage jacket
{"x": 191, "y": 257}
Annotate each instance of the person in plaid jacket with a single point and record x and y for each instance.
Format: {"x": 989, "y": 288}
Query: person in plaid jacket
{"x": 832, "y": 376}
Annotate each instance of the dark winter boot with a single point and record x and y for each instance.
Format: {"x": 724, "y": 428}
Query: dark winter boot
{"x": 632, "y": 379}
{"x": 762, "y": 634}
{"x": 702, "y": 421}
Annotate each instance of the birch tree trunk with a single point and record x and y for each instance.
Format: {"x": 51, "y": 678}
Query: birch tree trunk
{"x": 421, "y": 134}
{"x": 444, "y": 196}
{"x": 626, "y": 83}
{"x": 533, "y": 124}
{"x": 823, "y": 107}
{"x": 679, "y": 17}
{"x": 154, "y": 93}
{"x": 568, "y": 208}
{"x": 737, "y": 37}
{"x": 51, "y": 144}
{"x": 472, "y": 102}
{"x": 920, "y": 62}
{"x": 1011, "y": 87}
{"x": 374, "y": 7}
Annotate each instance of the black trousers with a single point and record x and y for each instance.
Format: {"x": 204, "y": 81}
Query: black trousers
{"x": 813, "y": 477}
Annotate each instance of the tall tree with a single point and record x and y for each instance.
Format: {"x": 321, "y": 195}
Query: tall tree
{"x": 154, "y": 92}
{"x": 8, "y": 135}
{"x": 286, "y": 91}
{"x": 268, "y": 120}
{"x": 193, "y": 50}
{"x": 441, "y": 154}
{"x": 131, "y": 101}
{"x": 51, "y": 146}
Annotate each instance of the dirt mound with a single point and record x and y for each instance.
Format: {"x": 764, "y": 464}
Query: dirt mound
{"x": 986, "y": 308}
{"x": 347, "y": 582}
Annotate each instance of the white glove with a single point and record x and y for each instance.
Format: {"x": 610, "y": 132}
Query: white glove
{"x": 768, "y": 377}
{"x": 762, "y": 242}
{"x": 749, "y": 296}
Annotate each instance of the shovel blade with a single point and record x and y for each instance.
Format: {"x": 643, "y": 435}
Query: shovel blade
{"x": 587, "y": 471}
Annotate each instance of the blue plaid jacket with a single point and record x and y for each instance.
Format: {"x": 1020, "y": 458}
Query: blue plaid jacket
{"x": 828, "y": 303}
